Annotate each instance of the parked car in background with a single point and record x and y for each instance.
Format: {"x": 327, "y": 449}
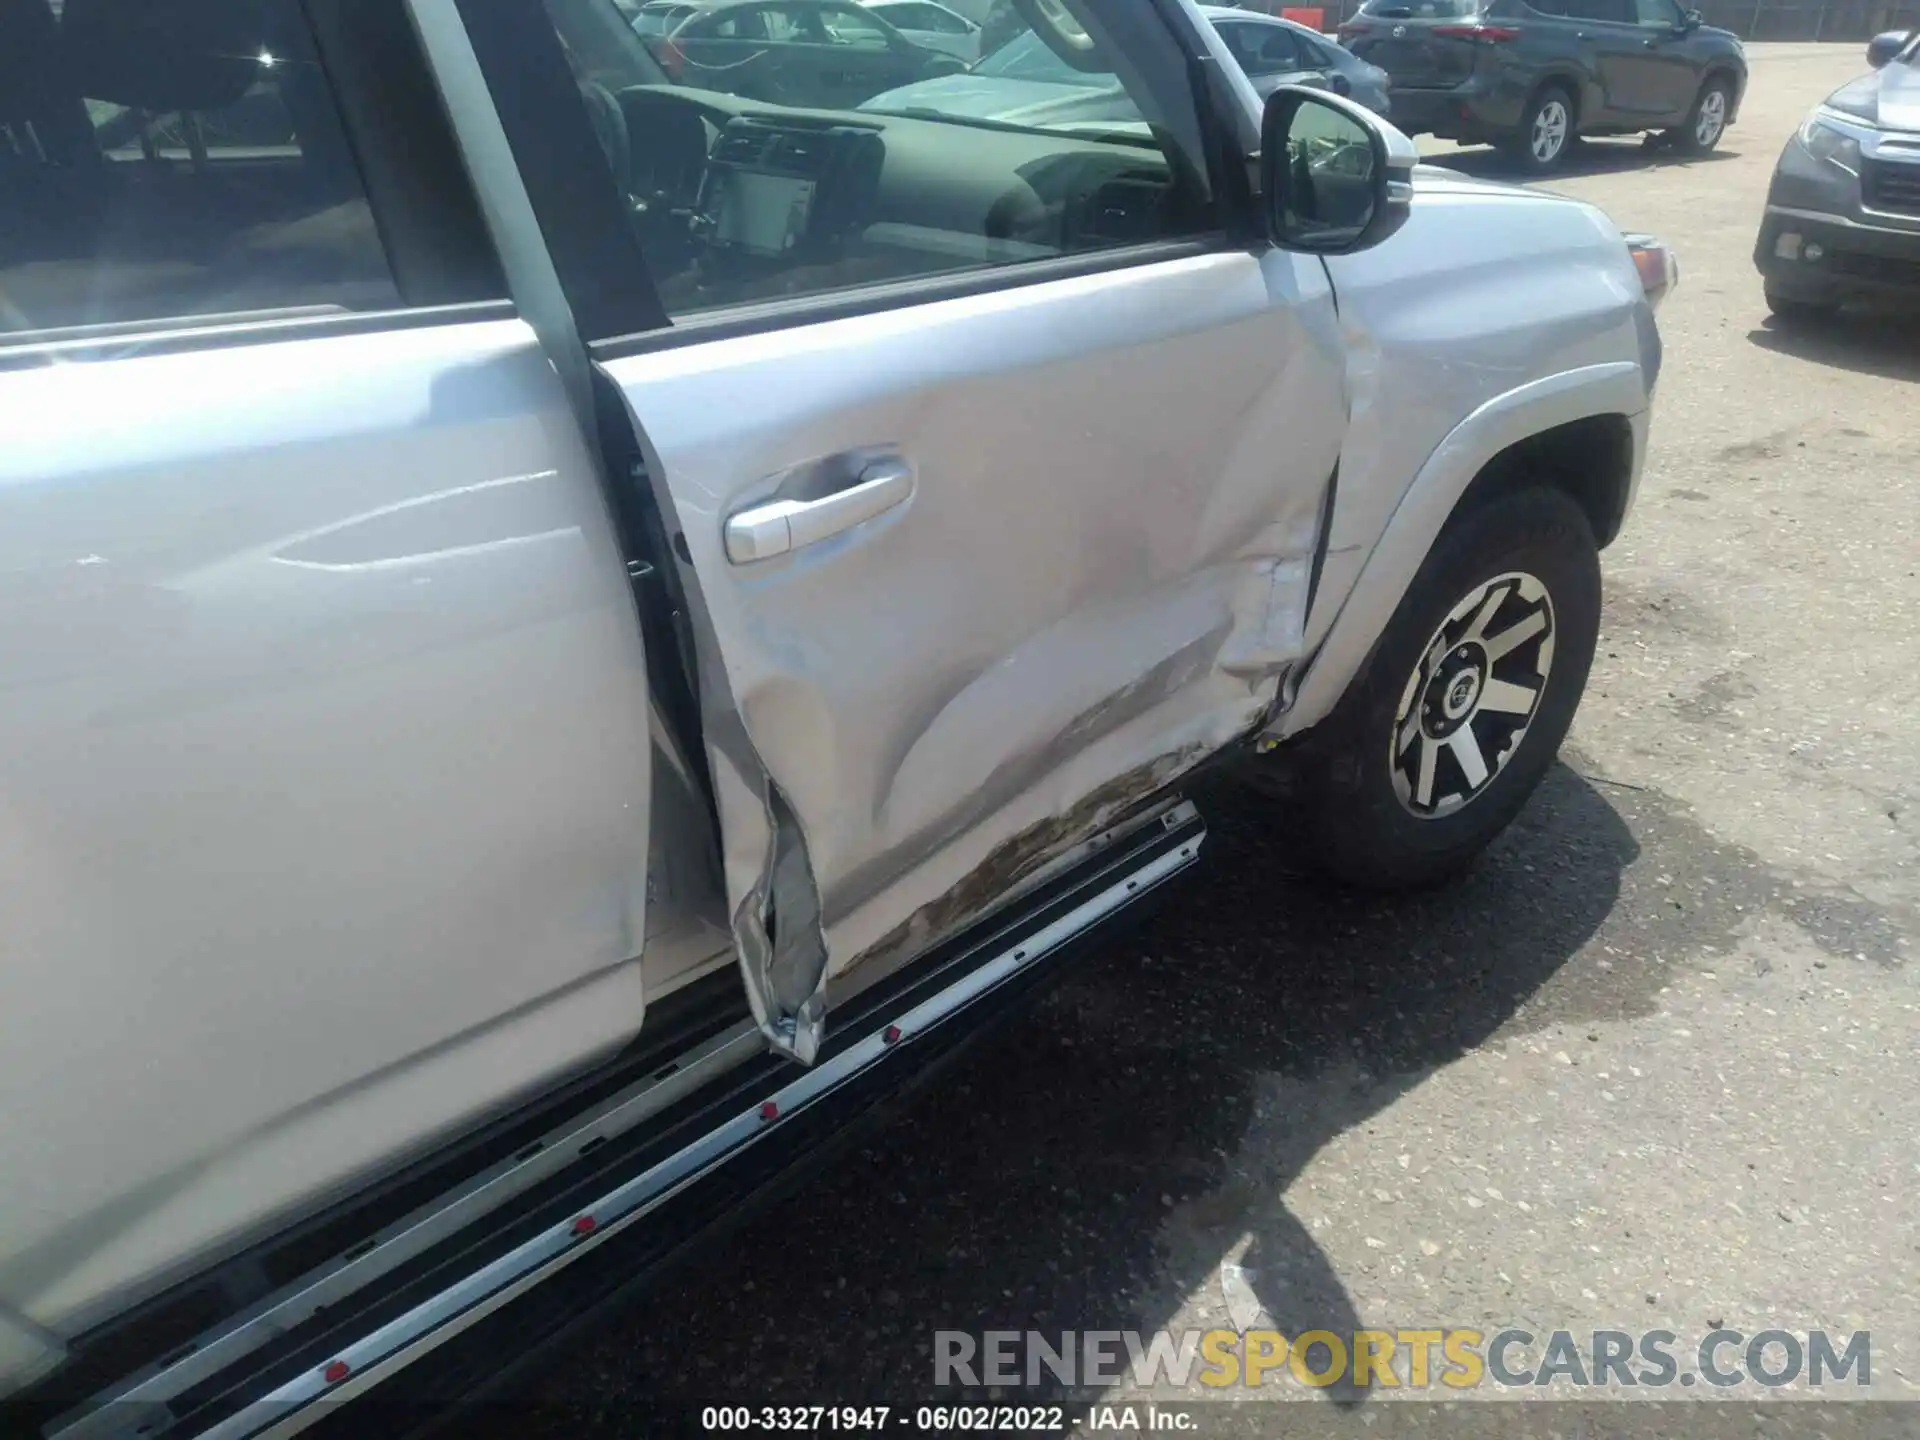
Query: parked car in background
{"x": 1024, "y": 81}
{"x": 663, "y": 17}
{"x": 1274, "y": 51}
{"x": 934, "y": 26}
{"x": 1843, "y": 211}
{"x": 831, "y": 54}
{"x": 1534, "y": 78}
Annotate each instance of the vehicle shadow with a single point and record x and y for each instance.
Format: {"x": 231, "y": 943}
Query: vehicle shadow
{"x": 1590, "y": 157}
{"x": 1869, "y": 343}
{"x": 1094, "y": 1165}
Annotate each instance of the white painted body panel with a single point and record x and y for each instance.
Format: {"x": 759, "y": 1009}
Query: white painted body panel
{"x": 324, "y": 776}
{"x": 1494, "y": 313}
{"x": 324, "y": 772}
{"x": 1102, "y": 572}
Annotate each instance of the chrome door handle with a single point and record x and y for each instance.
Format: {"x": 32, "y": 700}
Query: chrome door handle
{"x": 763, "y": 531}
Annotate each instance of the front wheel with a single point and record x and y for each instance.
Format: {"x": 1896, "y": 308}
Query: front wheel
{"x": 1463, "y": 704}
{"x": 1707, "y": 121}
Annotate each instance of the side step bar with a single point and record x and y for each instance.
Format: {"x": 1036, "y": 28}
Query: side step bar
{"x": 731, "y": 1130}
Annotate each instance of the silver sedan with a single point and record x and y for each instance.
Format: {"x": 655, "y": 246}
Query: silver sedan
{"x": 1277, "y": 52}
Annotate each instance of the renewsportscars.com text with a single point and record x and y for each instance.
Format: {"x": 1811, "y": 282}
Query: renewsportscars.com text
{"x": 1457, "y": 1359}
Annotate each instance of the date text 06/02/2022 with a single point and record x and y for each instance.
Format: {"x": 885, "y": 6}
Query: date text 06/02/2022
{"x": 939, "y": 1419}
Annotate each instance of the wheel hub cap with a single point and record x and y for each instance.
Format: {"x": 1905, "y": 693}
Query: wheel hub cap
{"x": 1549, "y": 130}
{"x": 1471, "y": 699}
{"x": 1713, "y": 114}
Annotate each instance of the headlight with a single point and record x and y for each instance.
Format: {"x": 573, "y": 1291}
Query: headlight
{"x": 1826, "y": 140}
{"x": 1659, "y": 270}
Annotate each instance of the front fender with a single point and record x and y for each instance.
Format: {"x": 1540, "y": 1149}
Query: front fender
{"x": 1612, "y": 388}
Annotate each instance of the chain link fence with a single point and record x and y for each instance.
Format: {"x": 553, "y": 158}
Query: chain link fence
{"x": 1858, "y": 20}
{"x": 1838, "y": 20}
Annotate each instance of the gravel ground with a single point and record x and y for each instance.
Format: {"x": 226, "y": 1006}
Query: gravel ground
{"x": 1654, "y": 1065}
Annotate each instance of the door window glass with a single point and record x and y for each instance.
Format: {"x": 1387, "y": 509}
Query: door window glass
{"x": 164, "y": 159}
{"x": 779, "y": 170}
{"x": 1263, "y": 49}
{"x": 848, "y": 25}
{"x": 930, "y": 18}
{"x": 1425, "y": 9}
{"x": 1657, "y": 14}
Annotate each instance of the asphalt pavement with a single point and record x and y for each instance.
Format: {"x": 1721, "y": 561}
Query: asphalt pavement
{"x": 1655, "y": 1065}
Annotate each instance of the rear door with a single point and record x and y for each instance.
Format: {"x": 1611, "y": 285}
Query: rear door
{"x": 325, "y": 749}
{"x": 994, "y": 473}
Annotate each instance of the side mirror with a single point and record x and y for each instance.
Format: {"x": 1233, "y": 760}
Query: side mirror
{"x": 1690, "y": 21}
{"x": 1333, "y": 177}
{"x": 1882, "y": 48}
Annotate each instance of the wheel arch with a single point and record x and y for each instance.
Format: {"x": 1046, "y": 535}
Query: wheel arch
{"x": 1583, "y": 431}
{"x": 1723, "y": 70}
{"x": 1574, "y": 83}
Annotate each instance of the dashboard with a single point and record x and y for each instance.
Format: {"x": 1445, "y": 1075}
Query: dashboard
{"x": 739, "y": 201}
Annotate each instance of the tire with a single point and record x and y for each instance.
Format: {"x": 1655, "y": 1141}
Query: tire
{"x": 1706, "y": 122}
{"x": 1547, "y": 131}
{"x": 1791, "y": 310}
{"x": 1360, "y": 783}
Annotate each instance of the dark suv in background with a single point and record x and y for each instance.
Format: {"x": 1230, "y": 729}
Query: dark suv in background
{"x": 1533, "y": 78}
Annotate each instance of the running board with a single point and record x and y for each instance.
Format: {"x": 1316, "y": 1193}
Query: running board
{"x": 724, "y": 1115}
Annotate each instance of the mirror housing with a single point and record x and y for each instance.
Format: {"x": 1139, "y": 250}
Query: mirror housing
{"x": 1883, "y": 47}
{"x": 1690, "y": 21}
{"x": 1356, "y": 211}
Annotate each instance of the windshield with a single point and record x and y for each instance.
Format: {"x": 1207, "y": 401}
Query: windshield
{"x": 1028, "y": 58}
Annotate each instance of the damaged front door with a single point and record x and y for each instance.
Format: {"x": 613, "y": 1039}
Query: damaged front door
{"x": 993, "y": 464}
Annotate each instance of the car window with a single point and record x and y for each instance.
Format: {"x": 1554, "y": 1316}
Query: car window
{"x": 849, "y": 25}
{"x": 1613, "y": 12}
{"x": 661, "y": 19}
{"x": 942, "y": 21}
{"x": 930, "y": 18}
{"x": 1262, "y": 49}
{"x": 158, "y": 164}
{"x": 1421, "y": 9}
{"x": 1661, "y": 14}
{"x": 1026, "y": 57}
{"x": 815, "y": 177}
{"x": 739, "y": 22}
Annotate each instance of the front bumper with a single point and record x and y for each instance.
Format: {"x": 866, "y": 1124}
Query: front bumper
{"x": 1805, "y": 255}
{"x": 1821, "y": 240}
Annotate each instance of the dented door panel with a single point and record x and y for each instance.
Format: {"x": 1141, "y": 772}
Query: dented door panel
{"x": 1098, "y": 578}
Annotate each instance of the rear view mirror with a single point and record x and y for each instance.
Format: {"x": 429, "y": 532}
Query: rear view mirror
{"x": 1334, "y": 179}
{"x": 1883, "y": 47}
{"x": 1691, "y": 20}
